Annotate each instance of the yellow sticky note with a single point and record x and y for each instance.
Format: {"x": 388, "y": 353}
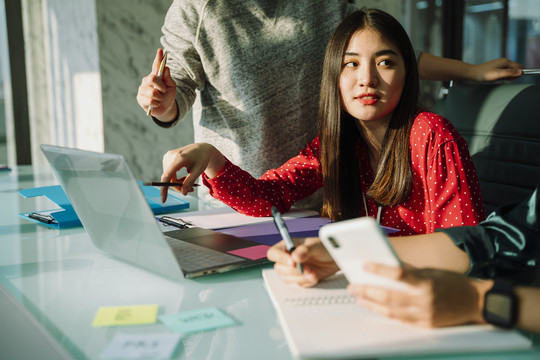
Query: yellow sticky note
{"x": 126, "y": 315}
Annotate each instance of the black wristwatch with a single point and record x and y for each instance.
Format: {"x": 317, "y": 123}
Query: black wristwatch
{"x": 500, "y": 304}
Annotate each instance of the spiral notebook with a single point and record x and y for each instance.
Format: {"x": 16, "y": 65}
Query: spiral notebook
{"x": 324, "y": 322}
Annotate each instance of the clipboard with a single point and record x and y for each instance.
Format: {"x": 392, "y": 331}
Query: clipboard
{"x": 66, "y": 217}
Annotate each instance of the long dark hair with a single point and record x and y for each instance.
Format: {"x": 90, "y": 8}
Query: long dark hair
{"x": 339, "y": 134}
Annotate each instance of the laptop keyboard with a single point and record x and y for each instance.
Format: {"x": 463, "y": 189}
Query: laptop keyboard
{"x": 193, "y": 257}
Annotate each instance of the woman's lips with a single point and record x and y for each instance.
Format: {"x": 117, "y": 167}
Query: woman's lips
{"x": 368, "y": 99}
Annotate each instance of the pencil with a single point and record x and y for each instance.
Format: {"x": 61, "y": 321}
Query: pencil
{"x": 160, "y": 74}
{"x": 160, "y": 183}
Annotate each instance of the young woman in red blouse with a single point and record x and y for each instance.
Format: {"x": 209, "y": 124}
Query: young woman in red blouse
{"x": 377, "y": 153}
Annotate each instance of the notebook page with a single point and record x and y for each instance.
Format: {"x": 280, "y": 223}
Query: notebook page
{"x": 318, "y": 325}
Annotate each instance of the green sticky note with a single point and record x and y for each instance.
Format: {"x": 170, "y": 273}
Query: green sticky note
{"x": 192, "y": 321}
{"x": 126, "y": 315}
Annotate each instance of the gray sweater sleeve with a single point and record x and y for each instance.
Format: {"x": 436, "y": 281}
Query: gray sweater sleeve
{"x": 180, "y": 40}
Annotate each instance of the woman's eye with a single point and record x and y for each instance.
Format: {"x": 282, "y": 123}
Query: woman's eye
{"x": 385, "y": 62}
{"x": 351, "y": 64}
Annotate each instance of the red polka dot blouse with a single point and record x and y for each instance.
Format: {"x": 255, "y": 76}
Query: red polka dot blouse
{"x": 445, "y": 193}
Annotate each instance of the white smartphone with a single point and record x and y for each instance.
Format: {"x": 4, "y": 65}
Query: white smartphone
{"x": 351, "y": 243}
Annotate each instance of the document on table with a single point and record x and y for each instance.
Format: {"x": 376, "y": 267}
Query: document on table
{"x": 325, "y": 322}
{"x": 226, "y": 217}
{"x": 141, "y": 346}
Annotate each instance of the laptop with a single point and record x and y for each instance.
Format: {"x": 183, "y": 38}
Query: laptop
{"x": 119, "y": 221}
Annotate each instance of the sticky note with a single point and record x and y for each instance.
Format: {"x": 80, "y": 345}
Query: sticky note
{"x": 253, "y": 252}
{"x": 191, "y": 321}
{"x": 126, "y": 315}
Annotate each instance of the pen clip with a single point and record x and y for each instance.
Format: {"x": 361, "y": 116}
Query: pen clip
{"x": 44, "y": 218}
{"x": 176, "y": 222}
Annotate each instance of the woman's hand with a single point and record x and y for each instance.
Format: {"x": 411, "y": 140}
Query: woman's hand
{"x": 196, "y": 158}
{"x": 434, "y": 297}
{"x": 497, "y": 69}
{"x": 317, "y": 262}
{"x": 159, "y": 92}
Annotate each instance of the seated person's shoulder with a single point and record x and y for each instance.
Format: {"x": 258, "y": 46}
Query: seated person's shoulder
{"x": 429, "y": 124}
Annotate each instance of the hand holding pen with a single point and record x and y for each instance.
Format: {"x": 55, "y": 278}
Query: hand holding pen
{"x": 178, "y": 184}
{"x": 159, "y": 76}
{"x": 316, "y": 262}
{"x": 282, "y": 228}
{"x": 196, "y": 159}
{"x": 157, "y": 91}
{"x": 161, "y": 183}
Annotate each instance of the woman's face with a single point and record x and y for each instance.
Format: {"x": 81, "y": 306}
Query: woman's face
{"x": 372, "y": 76}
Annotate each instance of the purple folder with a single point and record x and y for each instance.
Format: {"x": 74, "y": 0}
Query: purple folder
{"x": 267, "y": 233}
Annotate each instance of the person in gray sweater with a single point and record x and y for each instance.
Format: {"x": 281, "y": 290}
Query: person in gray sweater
{"x": 251, "y": 71}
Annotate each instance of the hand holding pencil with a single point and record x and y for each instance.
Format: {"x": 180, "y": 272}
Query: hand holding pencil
{"x": 158, "y": 90}
{"x": 160, "y": 76}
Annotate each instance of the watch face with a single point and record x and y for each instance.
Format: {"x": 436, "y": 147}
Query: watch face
{"x": 499, "y": 307}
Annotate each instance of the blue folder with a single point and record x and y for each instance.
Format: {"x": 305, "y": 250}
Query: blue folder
{"x": 65, "y": 216}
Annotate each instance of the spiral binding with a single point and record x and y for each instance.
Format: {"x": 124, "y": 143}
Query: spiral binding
{"x": 325, "y": 300}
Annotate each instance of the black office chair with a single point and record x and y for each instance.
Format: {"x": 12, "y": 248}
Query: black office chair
{"x": 501, "y": 124}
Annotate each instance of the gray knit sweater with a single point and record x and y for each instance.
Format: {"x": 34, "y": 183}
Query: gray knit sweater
{"x": 251, "y": 70}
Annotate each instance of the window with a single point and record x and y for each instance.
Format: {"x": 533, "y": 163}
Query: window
{"x": 523, "y": 41}
{"x": 423, "y": 20}
{"x": 483, "y": 30}
{"x": 5, "y": 87}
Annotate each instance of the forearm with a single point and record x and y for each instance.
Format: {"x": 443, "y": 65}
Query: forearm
{"x": 246, "y": 194}
{"x": 431, "y": 67}
{"x": 434, "y": 250}
{"x": 216, "y": 164}
{"x": 528, "y": 317}
{"x": 295, "y": 180}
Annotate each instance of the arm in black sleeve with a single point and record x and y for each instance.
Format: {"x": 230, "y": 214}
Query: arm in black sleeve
{"x": 507, "y": 243}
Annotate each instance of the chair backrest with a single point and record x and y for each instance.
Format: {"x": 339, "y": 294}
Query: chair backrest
{"x": 501, "y": 124}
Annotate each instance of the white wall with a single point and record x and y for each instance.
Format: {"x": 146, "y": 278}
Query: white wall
{"x": 64, "y": 88}
{"x": 393, "y": 7}
{"x": 129, "y": 34}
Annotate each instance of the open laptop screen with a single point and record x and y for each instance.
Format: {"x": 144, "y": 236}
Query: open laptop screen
{"x": 112, "y": 207}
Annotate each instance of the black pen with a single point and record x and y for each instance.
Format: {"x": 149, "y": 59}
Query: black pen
{"x": 280, "y": 224}
{"x": 161, "y": 183}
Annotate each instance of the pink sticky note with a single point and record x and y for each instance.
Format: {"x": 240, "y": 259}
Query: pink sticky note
{"x": 252, "y": 253}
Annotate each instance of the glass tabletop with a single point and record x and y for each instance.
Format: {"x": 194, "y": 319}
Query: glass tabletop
{"x": 61, "y": 280}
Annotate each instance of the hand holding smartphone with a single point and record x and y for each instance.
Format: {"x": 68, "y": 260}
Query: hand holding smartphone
{"x": 352, "y": 243}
